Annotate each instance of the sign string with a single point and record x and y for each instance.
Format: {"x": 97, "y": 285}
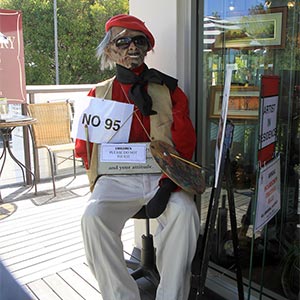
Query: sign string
{"x": 138, "y": 118}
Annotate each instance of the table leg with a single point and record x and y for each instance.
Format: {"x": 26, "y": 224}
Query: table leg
{"x": 6, "y": 134}
{"x": 3, "y": 158}
{"x": 22, "y": 166}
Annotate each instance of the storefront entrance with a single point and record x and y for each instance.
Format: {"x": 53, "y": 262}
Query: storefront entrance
{"x": 260, "y": 38}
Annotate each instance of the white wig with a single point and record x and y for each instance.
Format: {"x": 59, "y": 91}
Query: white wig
{"x": 105, "y": 61}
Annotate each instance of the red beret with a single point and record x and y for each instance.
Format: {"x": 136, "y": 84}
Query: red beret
{"x": 130, "y": 22}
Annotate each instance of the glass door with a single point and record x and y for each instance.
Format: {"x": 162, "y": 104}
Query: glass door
{"x": 260, "y": 38}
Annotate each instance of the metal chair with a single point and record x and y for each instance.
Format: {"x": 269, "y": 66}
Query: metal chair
{"x": 52, "y": 131}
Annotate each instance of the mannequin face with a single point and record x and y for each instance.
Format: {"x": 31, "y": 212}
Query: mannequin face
{"x": 127, "y": 48}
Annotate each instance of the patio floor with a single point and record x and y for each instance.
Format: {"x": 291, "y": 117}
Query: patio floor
{"x": 41, "y": 244}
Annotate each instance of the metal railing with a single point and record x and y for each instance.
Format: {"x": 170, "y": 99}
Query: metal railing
{"x": 40, "y": 94}
{"x": 51, "y": 90}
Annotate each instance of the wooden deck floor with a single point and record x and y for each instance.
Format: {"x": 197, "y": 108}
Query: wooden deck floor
{"x": 41, "y": 244}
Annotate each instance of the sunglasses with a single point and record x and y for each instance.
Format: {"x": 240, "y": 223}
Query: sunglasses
{"x": 139, "y": 41}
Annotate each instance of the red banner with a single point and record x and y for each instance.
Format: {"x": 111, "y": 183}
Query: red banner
{"x": 12, "y": 71}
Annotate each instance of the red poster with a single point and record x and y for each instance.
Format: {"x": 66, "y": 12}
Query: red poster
{"x": 12, "y": 71}
{"x": 269, "y": 85}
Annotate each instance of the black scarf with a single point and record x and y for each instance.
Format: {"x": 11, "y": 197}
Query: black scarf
{"x": 138, "y": 92}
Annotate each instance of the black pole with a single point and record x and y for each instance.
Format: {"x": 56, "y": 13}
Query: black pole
{"x": 235, "y": 242}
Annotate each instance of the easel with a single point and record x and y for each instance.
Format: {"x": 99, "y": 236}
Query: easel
{"x": 201, "y": 259}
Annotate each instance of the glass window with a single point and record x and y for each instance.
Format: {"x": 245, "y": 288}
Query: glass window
{"x": 260, "y": 38}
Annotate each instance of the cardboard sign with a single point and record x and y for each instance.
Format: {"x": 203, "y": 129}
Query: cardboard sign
{"x": 102, "y": 121}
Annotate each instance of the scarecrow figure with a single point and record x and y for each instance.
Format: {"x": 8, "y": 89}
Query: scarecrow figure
{"x": 160, "y": 113}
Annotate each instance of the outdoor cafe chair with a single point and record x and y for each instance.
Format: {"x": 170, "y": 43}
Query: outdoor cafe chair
{"x": 52, "y": 131}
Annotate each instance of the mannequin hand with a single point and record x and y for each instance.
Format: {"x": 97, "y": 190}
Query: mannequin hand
{"x": 156, "y": 206}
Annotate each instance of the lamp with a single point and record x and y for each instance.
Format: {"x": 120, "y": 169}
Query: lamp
{"x": 267, "y": 4}
{"x": 3, "y": 38}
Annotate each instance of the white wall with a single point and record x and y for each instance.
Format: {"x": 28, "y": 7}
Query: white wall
{"x": 160, "y": 18}
{"x": 170, "y": 23}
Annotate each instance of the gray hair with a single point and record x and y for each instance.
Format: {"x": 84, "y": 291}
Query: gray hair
{"x": 105, "y": 61}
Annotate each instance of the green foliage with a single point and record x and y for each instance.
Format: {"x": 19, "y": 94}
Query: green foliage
{"x": 80, "y": 29}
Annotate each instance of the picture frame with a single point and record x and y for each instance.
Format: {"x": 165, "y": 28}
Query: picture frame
{"x": 265, "y": 29}
{"x": 243, "y": 102}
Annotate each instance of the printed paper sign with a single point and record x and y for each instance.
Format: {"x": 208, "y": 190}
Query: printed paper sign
{"x": 222, "y": 122}
{"x": 268, "y": 195}
{"x": 102, "y": 121}
{"x": 139, "y": 157}
{"x": 135, "y": 153}
{"x": 268, "y": 121}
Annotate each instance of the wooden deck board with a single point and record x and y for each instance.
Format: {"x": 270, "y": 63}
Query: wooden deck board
{"x": 37, "y": 241}
{"x": 30, "y": 293}
{"x": 47, "y": 253}
{"x": 40, "y": 270}
{"x": 84, "y": 271}
{"x": 82, "y": 287}
{"x": 62, "y": 289}
{"x": 30, "y": 248}
{"x": 41, "y": 290}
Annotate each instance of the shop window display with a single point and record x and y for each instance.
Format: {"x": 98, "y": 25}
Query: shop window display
{"x": 260, "y": 38}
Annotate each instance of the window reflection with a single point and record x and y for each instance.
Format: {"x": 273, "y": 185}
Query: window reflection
{"x": 261, "y": 38}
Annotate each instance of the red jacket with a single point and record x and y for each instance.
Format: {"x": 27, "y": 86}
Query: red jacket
{"x": 183, "y": 133}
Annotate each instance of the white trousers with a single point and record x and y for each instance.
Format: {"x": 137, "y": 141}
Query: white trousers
{"x": 114, "y": 200}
